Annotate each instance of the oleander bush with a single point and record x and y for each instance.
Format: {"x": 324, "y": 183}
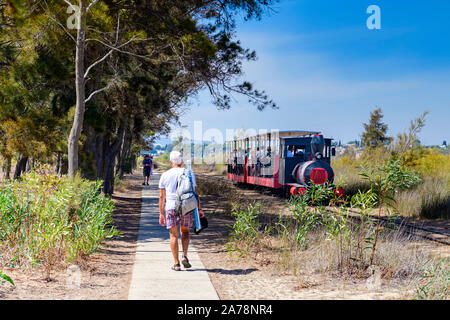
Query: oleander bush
{"x": 48, "y": 220}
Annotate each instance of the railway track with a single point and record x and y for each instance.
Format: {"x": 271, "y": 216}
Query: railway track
{"x": 409, "y": 228}
{"x": 414, "y": 228}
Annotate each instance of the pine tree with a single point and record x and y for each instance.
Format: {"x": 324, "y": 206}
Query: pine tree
{"x": 375, "y": 134}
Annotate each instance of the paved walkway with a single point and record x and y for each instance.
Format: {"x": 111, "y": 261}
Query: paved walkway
{"x": 152, "y": 277}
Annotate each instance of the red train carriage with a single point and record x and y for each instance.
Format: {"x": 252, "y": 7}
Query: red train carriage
{"x": 291, "y": 160}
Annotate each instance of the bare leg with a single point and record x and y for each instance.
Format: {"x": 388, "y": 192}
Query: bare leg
{"x": 174, "y": 243}
{"x": 185, "y": 240}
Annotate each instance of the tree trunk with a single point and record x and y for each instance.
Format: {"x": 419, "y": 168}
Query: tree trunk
{"x": 7, "y": 168}
{"x": 124, "y": 154}
{"x": 20, "y": 166}
{"x": 80, "y": 107}
{"x": 110, "y": 156}
{"x": 134, "y": 162}
{"x": 119, "y": 156}
{"x": 58, "y": 163}
{"x": 29, "y": 165}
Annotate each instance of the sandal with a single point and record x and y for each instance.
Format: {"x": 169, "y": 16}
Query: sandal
{"x": 176, "y": 267}
{"x": 186, "y": 263}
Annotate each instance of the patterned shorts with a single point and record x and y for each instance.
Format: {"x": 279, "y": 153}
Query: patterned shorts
{"x": 174, "y": 220}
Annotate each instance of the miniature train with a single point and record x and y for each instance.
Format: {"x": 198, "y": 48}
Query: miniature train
{"x": 287, "y": 160}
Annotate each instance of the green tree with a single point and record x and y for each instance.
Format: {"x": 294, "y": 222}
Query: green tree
{"x": 375, "y": 134}
{"x": 138, "y": 63}
{"x": 160, "y": 31}
{"x": 34, "y": 92}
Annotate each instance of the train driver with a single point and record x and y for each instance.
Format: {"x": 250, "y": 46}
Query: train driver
{"x": 290, "y": 152}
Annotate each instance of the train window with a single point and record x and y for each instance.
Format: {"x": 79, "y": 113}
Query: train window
{"x": 299, "y": 151}
{"x": 295, "y": 151}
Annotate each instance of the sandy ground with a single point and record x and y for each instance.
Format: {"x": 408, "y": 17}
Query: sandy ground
{"x": 104, "y": 275}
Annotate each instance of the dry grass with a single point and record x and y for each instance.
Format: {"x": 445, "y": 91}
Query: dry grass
{"x": 121, "y": 185}
{"x": 400, "y": 260}
{"x": 348, "y": 177}
{"x": 430, "y": 199}
{"x": 395, "y": 257}
{"x": 215, "y": 169}
{"x": 161, "y": 162}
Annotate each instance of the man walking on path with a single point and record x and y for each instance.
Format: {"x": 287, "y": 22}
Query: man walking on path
{"x": 168, "y": 216}
{"x": 147, "y": 163}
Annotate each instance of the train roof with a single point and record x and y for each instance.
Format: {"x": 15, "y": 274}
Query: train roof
{"x": 283, "y": 134}
{"x": 297, "y": 133}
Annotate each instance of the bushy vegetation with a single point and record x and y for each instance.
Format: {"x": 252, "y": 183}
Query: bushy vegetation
{"x": 245, "y": 233}
{"x": 430, "y": 198}
{"x": 317, "y": 239}
{"x": 48, "y": 220}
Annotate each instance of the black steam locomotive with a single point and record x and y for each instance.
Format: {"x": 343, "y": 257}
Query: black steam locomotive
{"x": 291, "y": 160}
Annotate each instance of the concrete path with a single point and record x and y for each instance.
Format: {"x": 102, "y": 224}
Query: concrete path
{"x": 152, "y": 277}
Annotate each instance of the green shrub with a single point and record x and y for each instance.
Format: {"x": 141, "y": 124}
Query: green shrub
{"x": 127, "y": 165}
{"x": 48, "y": 220}
{"x": 245, "y": 232}
{"x": 305, "y": 220}
{"x": 429, "y": 163}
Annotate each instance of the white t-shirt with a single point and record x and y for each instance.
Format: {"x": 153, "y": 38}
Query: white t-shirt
{"x": 169, "y": 181}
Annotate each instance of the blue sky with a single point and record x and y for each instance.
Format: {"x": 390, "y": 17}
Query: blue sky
{"x": 326, "y": 70}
